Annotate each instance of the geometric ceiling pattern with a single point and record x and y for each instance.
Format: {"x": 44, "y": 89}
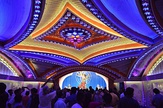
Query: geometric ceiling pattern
{"x": 74, "y": 32}
{"x": 53, "y": 38}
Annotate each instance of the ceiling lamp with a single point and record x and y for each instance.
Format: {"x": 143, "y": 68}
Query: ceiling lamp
{"x": 75, "y": 35}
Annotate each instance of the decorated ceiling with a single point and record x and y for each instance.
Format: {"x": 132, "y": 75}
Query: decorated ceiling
{"x": 51, "y": 38}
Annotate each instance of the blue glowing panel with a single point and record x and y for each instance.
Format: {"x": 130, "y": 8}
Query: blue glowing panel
{"x": 13, "y": 16}
{"x": 60, "y": 60}
{"x": 127, "y": 12}
{"x": 84, "y": 79}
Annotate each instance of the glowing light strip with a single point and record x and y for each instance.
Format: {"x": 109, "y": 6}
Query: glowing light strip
{"x": 108, "y": 55}
{"x": 78, "y": 54}
{"x": 9, "y": 65}
{"x": 154, "y": 61}
{"x": 155, "y": 65}
{"x": 113, "y": 49}
{"x": 36, "y": 49}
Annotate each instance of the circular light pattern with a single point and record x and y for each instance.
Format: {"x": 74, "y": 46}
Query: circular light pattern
{"x": 75, "y": 35}
{"x": 68, "y": 15}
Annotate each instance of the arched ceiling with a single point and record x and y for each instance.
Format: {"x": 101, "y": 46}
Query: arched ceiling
{"x": 13, "y": 22}
{"x": 54, "y": 35}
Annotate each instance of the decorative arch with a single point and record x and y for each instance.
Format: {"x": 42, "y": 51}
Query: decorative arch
{"x": 56, "y": 74}
{"x": 4, "y": 60}
{"x": 153, "y": 65}
{"x": 146, "y": 60}
{"x": 18, "y": 64}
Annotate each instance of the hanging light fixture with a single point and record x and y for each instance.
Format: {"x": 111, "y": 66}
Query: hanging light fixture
{"x": 75, "y": 35}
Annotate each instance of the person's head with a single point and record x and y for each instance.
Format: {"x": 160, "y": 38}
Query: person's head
{"x": 90, "y": 88}
{"x": 60, "y": 94}
{"x": 67, "y": 90}
{"x": 115, "y": 89}
{"x": 97, "y": 92}
{"x": 80, "y": 97}
{"x": 23, "y": 89}
{"x": 156, "y": 91}
{"x": 107, "y": 98}
{"x": 10, "y": 91}
{"x": 73, "y": 90}
{"x": 2, "y": 87}
{"x": 129, "y": 92}
{"x": 17, "y": 92}
{"x": 27, "y": 93}
{"x": 122, "y": 90}
{"x": 46, "y": 90}
{"x": 33, "y": 91}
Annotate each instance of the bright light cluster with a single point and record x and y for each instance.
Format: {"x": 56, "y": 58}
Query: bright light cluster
{"x": 75, "y": 35}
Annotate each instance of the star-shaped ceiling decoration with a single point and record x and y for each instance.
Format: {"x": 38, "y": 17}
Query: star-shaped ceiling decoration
{"x": 72, "y": 31}
{"x": 47, "y": 38}
{"x": 84, "y": 34}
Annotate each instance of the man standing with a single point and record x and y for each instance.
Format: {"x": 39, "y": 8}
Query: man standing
{"x": 3, "y": 95}
{"x": 157, "y": 100}
{"x": 128, "y": 101}
{"x": 45, "y": 96}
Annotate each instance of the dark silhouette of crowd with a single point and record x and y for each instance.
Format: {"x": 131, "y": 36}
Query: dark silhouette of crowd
{"x": 54, "y": 97}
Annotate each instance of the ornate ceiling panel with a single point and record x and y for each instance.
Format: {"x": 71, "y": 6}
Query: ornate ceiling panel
{"x": 53, "y": 36}
{"x": 74, "y": 32}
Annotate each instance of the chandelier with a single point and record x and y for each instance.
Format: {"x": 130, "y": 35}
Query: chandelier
{"x": 75, "y": 35}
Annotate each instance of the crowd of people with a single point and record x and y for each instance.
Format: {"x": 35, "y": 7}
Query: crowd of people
{"x": 53, "y": 97}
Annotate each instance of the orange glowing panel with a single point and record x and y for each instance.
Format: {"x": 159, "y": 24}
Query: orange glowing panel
{"x": 87, "y": 35}
{"x": 77, "y": 56}
{"x": 112, "y": 49}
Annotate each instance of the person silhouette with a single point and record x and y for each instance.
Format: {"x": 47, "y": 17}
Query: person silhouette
{"x": 128, "y": 101}
{"x": 3, "y": 95}
{"x": 157, "y": 100}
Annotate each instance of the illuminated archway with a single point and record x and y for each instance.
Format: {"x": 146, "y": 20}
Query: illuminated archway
{"x": 84, "y": 79}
